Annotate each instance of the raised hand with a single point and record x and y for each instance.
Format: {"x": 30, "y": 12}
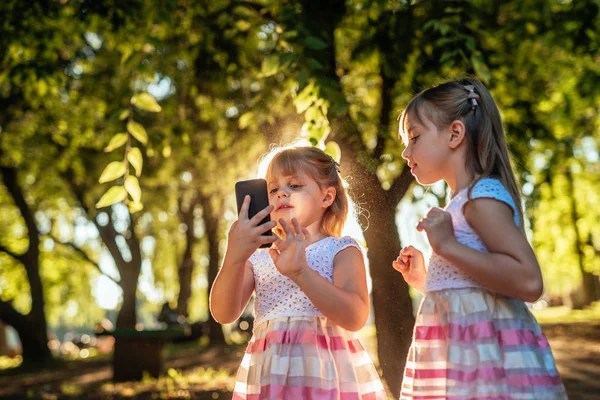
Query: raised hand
{"x": 411, "y": 265}
{"x": 246, "y": 235}
{"x": 438, "y": 227}
{"x": 289, "y": 255}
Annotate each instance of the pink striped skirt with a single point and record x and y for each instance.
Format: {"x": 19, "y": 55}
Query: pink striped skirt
{"x": 306, "y": 358}
{"x": 470, "y": 344}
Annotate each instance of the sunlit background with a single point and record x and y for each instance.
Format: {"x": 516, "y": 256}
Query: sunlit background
{"x": 124, "y": 127}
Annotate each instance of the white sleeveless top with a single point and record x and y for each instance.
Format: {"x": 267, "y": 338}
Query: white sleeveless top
{"x": 441, "y": 274}
{"x": 278, "y": 296}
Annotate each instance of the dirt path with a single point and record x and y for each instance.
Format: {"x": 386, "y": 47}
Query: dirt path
{"x": 576, "y": 348}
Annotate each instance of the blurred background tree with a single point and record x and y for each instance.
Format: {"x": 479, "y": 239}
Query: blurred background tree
{"x": 215, "y": 83}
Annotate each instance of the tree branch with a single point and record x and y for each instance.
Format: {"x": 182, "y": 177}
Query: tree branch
{"x": 107, "y": 233}
{"x": 18, "y": 257}
{"x": 400, "y": 186}
{"x": 10, "y": 316}
{"x": 85, "y": 257}
{"x": 9, "y": 176}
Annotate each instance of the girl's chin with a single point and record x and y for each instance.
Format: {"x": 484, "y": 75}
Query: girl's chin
{"x": 424, "y": 181}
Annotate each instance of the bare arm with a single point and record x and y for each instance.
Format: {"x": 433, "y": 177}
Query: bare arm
{"x": 345, "y": 301}
{"x": 234, "y": 283}
{"x": 228, "y": 298}
{"x": 510, "y": 267}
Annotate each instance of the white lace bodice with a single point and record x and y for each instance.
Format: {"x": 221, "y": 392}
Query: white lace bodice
{"x": 277, "y": 295}
{"x": 440, "y": 273}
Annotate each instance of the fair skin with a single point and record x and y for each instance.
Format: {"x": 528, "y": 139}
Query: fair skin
{"x": 510, "y": 267}
{"x": 298, "y": 204}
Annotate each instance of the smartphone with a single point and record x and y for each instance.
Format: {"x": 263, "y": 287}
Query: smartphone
{"x": 259, "y": 200}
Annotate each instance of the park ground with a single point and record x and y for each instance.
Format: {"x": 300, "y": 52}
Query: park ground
{"x": 195, "y": 372}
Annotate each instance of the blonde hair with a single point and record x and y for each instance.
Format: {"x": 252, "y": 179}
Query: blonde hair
{"x": 487, "y": 154}
{"x": 324, "y": 170}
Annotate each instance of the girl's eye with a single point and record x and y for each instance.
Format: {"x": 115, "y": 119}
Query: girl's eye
{"x": 295, "y": 186}
{"x": 272, "y": 190}
{"x": 414, "y": 139}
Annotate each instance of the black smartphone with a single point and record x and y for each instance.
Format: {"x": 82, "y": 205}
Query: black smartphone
{"x": 259, "y": 200}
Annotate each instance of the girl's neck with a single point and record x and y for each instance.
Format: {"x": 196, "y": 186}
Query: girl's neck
{"x": 460, "y": 182}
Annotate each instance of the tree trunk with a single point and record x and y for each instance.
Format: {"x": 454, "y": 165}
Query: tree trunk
{"x": 186, "y": 268}
{"x": 32, "y": 328}
{"x": 211, "y": 223}
{"x": 3, "y": 340}
{"x": 588, "y": 287}
{"x": 127, "y": 317}
{"x": 392, "y": 304}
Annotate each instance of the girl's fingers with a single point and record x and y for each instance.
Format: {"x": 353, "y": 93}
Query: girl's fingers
{"x": 399, "y": 266}
{"x": 267, "y": 226}
{"x": 435, "y": 210}
{"x": 286, "y": 228}
{"x": 264, "y": 239}
{"x": 261, "y": 215}
{"x": 297, "y": 229}
{"x": 244, "y": 208}
{"x": 409, "y": 251}
{"x": 306, "y": 234}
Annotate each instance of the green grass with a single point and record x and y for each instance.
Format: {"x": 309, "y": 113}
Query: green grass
{"x": 175, "y": 384}
{"x": 564, "y": 315}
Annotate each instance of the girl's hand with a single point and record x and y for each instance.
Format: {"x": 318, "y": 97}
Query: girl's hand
{"x": 246, "y": 235}
{"x": 411, "y": 265}
{"x": 440, "y": 232}
{"x": 289, "y": 255}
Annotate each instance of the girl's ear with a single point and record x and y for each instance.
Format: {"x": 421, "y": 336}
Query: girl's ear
{"x": 457, "y": 134}
{"x": 329, "y": 196}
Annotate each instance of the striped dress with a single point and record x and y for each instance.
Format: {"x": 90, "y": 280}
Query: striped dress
{"x": 295, "y": 352}
{"x": 469, "y": 343}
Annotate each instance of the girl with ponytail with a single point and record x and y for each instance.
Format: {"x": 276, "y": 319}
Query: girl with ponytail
{"x": 475, "y": 337}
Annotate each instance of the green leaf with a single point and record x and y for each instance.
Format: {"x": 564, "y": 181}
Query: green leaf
{"x": 318, "y": 132}
{"x": 245, "y": 120}
{"x": 138, "y": 131}
{"x": 305, "y": 98}
{"x": 270, "y": 65}
{"x": 134, "y": 207}
{"x": 112, "y": 171}
{"x": 127, "y": 52}
{"x": 333, "y": 149}
{"x": 124, "y": 114}
{"x": 134, "y": 156}
{"x": 314, "y": 43}
{"x": 146, "y": 102}
{"x": 243, "y": 25}
{"x": 132, "y": 185}
{"x": 313, "y": 114}
{"x": 314, "y": 64}
{"x": 117, "y": 141}
{"x": 113, "y": 195}
{"x": 481, "y": 69}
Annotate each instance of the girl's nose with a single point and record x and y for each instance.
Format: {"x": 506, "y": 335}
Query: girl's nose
{"x": 281, "y": 194}
{"x": 406, "y": 153}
